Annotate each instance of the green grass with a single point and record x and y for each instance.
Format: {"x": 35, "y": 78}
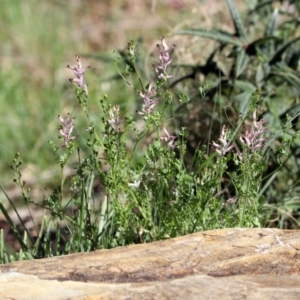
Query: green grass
{"x": 32, "y": 89}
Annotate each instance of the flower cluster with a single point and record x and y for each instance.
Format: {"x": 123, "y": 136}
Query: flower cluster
{"x": 252, "y": 136}
{"x": 79, "y": 71}
{"x": 114, "y": 117}
{"x": 149, "y": 102}
{"x": 161, "y": 71}
{"x": 224, "y": 147}
{"x": 164, "y": 59}
{"x": 170, "y": 139}
{"x": 65, "y": 130}
{"x": 150, "y": 96}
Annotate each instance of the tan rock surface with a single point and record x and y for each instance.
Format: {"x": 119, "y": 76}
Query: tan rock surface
{"x": 217, "y": 264}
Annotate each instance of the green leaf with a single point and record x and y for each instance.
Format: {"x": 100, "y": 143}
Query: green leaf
{"x": 241, "y": 63}
{"x": 278, "y": 55}
{"x": 13, "y": 226}
{"x": 244, "y": 97}
{"x": 263, "y": 70}
{"x": 261, "y": 5}
{"x": 272, "y": 24}
{"x": 237, "y": 21}
{"x": 217, "y": 35}
{"x": 292, "y": 57}
{"x": 271, "y": 27}
{"x": 244, "y": 101}
{"x": 252, "y": 48}
{"x": 289, "y": 75}
{"x": 246, "y": 86}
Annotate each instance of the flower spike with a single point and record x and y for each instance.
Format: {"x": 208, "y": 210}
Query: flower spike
{"x": 79, "y": 71}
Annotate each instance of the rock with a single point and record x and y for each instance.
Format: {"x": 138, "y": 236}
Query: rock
{"x": 216, "y": 264}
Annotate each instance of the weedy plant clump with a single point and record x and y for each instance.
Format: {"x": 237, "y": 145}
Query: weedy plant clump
{"x": 146, "y": 191}
{"x": 260, "y": 50}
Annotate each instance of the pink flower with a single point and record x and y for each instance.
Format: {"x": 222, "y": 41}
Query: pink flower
{"x": 149, "y": 103}
{"x": 252, "y": 136}
{"x": 66, "y": 129}
{"x": 169, "y": 138}
{"x": 164, "y": 59}
{"x": 224, "y": 147}
{"x": 79, "y": 74}
{"x": 114, "y": 118}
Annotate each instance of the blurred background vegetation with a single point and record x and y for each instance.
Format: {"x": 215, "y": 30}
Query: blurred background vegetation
{"x": 39, "y": 38}
{"x": 37, "y": 41}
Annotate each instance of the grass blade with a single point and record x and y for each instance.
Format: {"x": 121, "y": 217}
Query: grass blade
{"x": 252, "y": 48}
{"x": 237, "y": 21}
{"x": 241, "y": 63}
{"x": 277, "y": 56}
{"x": 272, "y": 24}
{"x": 13, "y": 227}
{"x": 262, "y": 5}
{"x": 287, "y": 74}
{"x": 217, "y": 35}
